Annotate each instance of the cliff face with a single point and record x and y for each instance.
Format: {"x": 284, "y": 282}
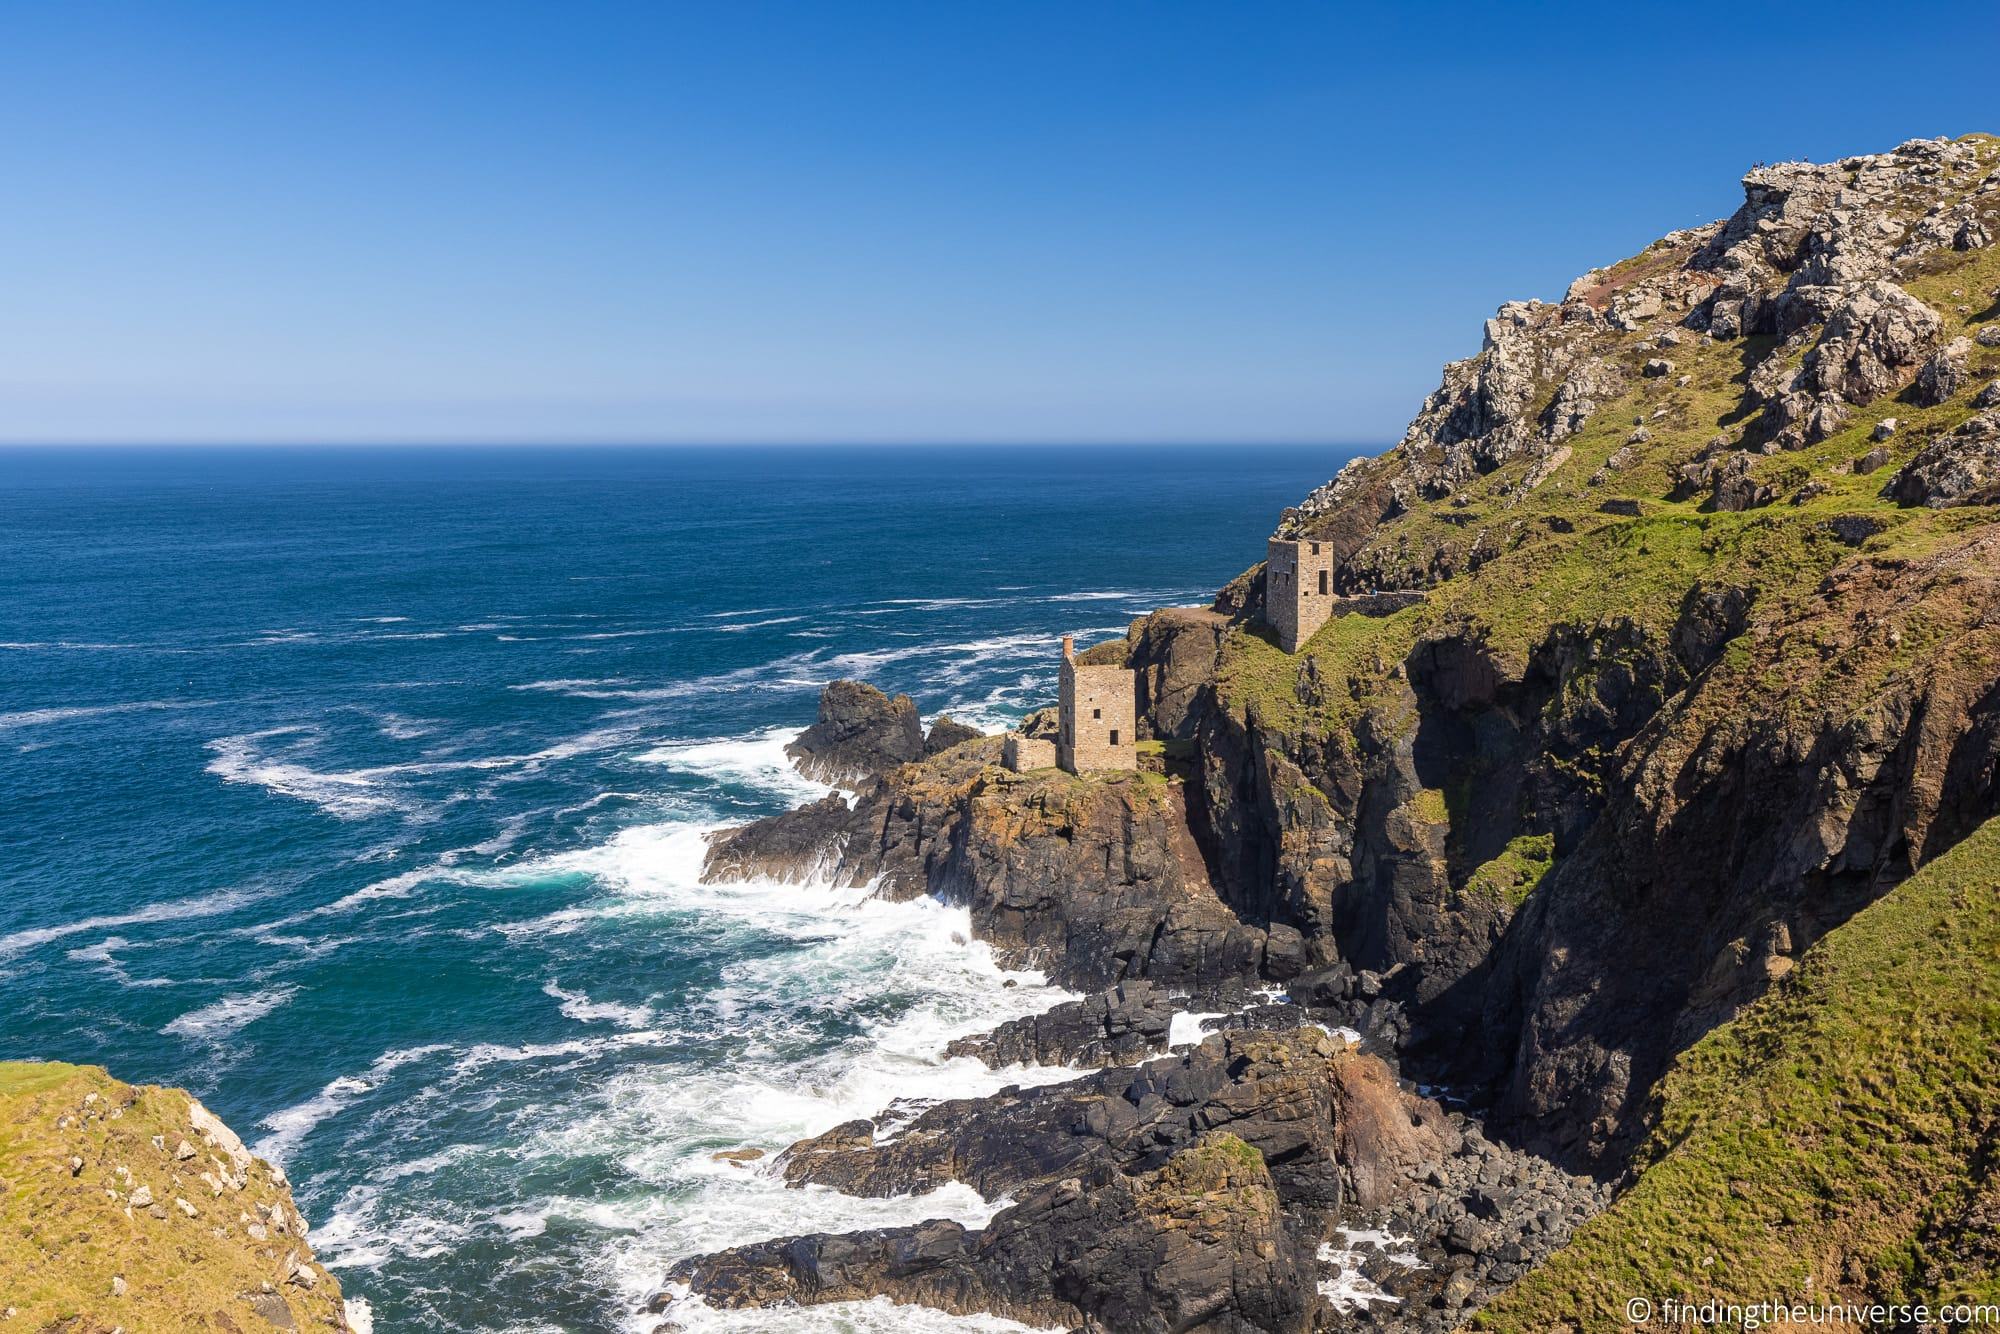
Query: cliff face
{"x": 1707, "y": 652}
{"x": 1669, "y": 643}
{"x": 133, "y": 1207}
{"x": 1836, "y": 1137}
{"x": 1092, "y": 879}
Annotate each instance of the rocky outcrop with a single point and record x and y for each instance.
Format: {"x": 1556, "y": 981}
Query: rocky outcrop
{"x": 1785, "y": 789}
{"x": 1278, "y": 1091}
{"x": 1961, "y": 467}
{"x": 1196, "y": 1244}
{"x": 861, "y": 733}
{"x": 135, "y": 1207}
{"x": 802, "y": 844}
{"x": 1096, "y": 879}
{"x": 947, "y": 732}
{"x": 1117, "y": 1026}
{"x": 1943, "y": 374}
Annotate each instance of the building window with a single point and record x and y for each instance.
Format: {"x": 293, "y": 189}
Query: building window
{"x": 1114, "y": 736}
{"x": 1315, "y": 548}
{"x": 1322, "y": 583}
{"x": 1097, "y": 713}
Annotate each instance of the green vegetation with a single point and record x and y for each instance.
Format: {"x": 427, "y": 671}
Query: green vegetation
{"x": 1835, "y": 1138}
{"x": 1513, "y": 875}
{"x": 1550, "y": 555}
{"x": 80, "y": 1243}
{"x": 1430, "y": 806}
{"x": 20, "y": 1078}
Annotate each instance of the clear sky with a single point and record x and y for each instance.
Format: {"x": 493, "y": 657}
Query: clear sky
{"x": 940, "y": 220}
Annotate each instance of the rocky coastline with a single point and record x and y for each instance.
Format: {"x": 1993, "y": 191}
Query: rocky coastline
{"x": 1667, "y": 643}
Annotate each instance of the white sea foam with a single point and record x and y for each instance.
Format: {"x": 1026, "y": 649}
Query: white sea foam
{"x": 224, "y": 1018}
{"x": 737, "y": 627}
{"x": 575, "y": 1005}
{"x": 878, "y": 1315}
{"x": 765, "y": 1084}
{"x": 204, "y": 905}
{"x": 289, "y": 1126}
{"x": 399, "y": 728}
{"x": 1185, "y": 1028}
{"x": 757, "y": 760}
{"x": 357, "y": 793}
{"x": 1350, "y": 1289}
{"x": 347, "y": 796}
{"x": 105, "y": 955}
{"x": 68, "y": 713}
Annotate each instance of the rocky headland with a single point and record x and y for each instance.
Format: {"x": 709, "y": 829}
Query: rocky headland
{"x": 132, "y": 1207}
{"x": 1662, "y": 699}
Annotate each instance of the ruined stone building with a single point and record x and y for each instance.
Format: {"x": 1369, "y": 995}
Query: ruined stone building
{"x": 1099, "y": 712}
{"x": 1097, "y": 723}
{"x": 1298, "y": 589}
{"x": 1022, "y": 753}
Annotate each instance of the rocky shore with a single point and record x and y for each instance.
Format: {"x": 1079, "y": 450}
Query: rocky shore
{"x": 1667, "y": 643}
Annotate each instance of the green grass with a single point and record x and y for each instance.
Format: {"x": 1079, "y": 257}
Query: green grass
{"x": 1514, "y": 874}
{"x": 20, "y": 1078}
{"x": 1830, "y": 1139}
{"x": 66, "y": 1233}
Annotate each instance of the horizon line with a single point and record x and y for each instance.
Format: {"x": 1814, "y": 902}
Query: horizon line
{"x": 770, "y": 443}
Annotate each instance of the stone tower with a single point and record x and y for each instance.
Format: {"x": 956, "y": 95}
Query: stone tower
{"x": 1099, "y": 715}
{"x": 1298, "y": 589}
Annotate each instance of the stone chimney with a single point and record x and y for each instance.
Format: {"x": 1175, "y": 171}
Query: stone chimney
{"x": 1069, "y": 647}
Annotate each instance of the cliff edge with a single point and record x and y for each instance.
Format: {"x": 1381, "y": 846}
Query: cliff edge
{"x": 133, "y": 1207}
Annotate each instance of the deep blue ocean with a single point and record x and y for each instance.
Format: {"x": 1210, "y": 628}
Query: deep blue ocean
{"x": 362, "y": 792}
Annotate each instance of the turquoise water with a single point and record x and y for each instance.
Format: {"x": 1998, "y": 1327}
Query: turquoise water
{"x": 362, "y": 792}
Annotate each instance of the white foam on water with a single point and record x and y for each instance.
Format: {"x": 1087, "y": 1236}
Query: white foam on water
{"x": 575, "y": 1005}
{"x": 1350, "y": 1289}
{"x": 203, "y": 905}
{"x": 360, "y": 1318}
{"x": 224, "y": 1018}
{"x": 878, "y": 1315}
{"x": 345, "y": 796}
{"x": 289, "y": 1126}
{"x": 737, "y": 627}
{"x": 67, "y": 713}
{"x": 755, "y": 760}
{"x": 907, "y": 975}
{"x": 1003, "y": 706}
{"x": 105, "y": 955}
{"x": 353, "y": 794}
{"x": 1185, "y": 1028}
{"x": 397, "y": 727}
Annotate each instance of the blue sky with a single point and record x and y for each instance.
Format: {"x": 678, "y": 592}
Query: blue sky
{"x": 866, "y": 221}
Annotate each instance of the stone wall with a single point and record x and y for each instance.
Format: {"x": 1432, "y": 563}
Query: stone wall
{"x": 1022, "y": 753}
{"x": 1099, "y": 716}
{"x": 1298, "y": 589}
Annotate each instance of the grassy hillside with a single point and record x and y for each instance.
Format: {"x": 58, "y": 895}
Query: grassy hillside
{"x": 1836, "y": 1138}
{"x": 1606, "y": 533}
{"x": 131, "y": 1207}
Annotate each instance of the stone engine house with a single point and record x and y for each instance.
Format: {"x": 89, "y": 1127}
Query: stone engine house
{"x": 1022, "y": 753}
{"x": 1298, "y": 589}
{"x": 1098, "y": 711}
